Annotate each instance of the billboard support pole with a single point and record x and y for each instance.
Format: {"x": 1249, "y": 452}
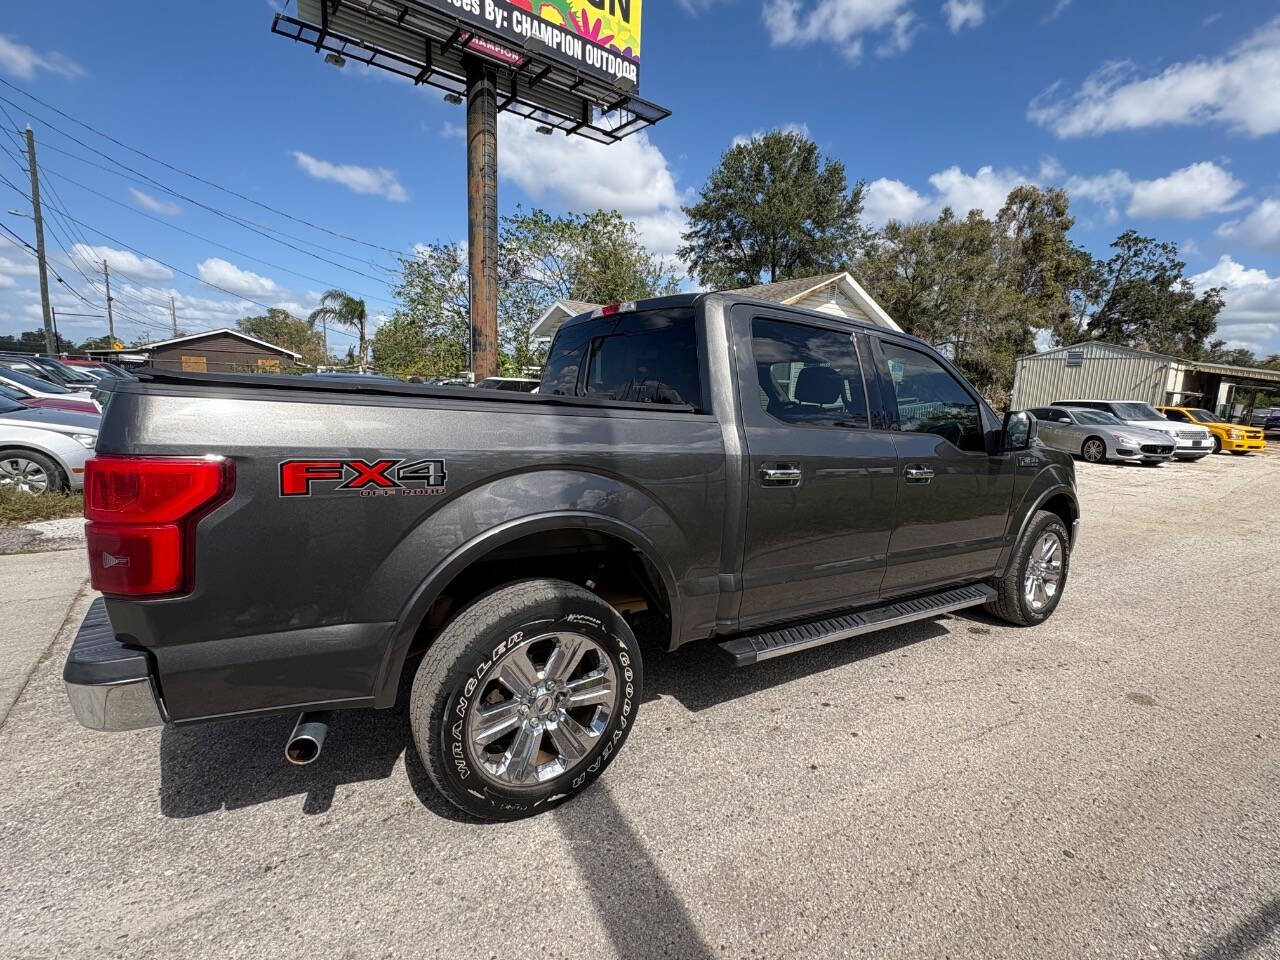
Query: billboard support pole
{"x": 482, "y": 214}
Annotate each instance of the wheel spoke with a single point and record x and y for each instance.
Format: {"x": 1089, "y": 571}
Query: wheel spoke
{"x": 520, "y": 762}
{"x": 595, "y": 687}
{"x": 495, "y": 720}
{"x": 517, "y": 672}
{"x": 571, "y": 739}
{"x": 566, "y": 656}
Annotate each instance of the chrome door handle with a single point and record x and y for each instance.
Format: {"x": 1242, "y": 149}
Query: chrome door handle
{"x": 918, "y": 474}
{"x": 780, "y": 476}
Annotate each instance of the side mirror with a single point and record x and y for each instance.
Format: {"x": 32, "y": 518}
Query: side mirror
{"x": 1019, "y": 430}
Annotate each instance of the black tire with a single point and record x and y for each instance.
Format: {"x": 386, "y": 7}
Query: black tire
{"x": 1011, "y": 604}
{"x": 57, "y": 481}
{"x": 1085, "y": 450}
{"x": 1217, "y": 444}
{"x": 461, "y": 667}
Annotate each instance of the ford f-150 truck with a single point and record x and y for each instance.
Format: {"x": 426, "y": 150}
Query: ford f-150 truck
{"x": 742, "y": 473}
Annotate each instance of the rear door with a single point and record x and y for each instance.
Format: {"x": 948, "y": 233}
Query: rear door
{"x": 953, "y": 491}
{"x": 821, "y": 484}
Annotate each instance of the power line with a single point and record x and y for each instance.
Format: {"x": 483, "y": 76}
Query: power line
{"x": 199, "y": 179}
{"x": 231, "y": 249}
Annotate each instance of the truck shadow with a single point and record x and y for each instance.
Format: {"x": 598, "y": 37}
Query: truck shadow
{"x": 239, "y": 763}
{"x": 701, "y": 676}
{"x": 235, "y": 764}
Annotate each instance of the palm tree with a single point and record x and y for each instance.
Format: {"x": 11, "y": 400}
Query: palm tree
{"x": 339, "y": 307}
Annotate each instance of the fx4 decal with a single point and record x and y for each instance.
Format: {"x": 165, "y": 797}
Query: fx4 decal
{"x": 368, "y": 478}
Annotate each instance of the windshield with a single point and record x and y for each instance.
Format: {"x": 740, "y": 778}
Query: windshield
{"x": 32, "y": 383}
{"x": 1094, "y": 416}
{"x": 1137, "y": 411}
{"x": 1204, "y": 416}
{"x": 60, "y": 369}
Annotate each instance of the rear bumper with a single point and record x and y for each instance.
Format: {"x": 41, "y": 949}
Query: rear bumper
{"x": 109, "y": 684}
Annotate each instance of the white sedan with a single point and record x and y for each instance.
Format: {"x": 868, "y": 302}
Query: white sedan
{"x": 43, "y": 450}
{"x": 43, "y": 389}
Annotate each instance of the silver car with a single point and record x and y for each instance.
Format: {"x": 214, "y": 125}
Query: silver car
{"x": 1097, "y": 436}
{"x": 43, "y": 450}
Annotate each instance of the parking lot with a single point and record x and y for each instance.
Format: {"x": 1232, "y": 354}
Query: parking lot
{"x": 1105, "y": 785}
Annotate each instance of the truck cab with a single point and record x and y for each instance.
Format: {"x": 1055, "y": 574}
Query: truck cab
{"x": 740, "y": 473}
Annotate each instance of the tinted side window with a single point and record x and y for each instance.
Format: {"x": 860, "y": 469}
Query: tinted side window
{"x": 808, "y": 374}
{"x": 649, "y": 357}
{"x": 931, "y": 401}
{"x": 1175, "y": 415}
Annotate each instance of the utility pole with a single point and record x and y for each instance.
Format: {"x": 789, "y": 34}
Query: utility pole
{"x": 482, "y": 214}
{"x": 50, "y": 342}
{"x": 173, "y": 314}
{"x": 111, "y": 322}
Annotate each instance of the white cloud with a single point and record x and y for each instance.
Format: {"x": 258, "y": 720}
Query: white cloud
{"x": 1107, "y": 190}
{"x": 19, "y": 60}
{"x": 963, "y": 13}
{"x": 1261, "y": 227}
{"x": 840, "y": 23}
{"x": 1236, "y": 90}
{"x": 453, "y": 131}
{"x": 147, "y": 202}
{"x": 371, "y": 180}
{"x": 631, "y": 176}
{"x": 892, "y": 200}
{"x": 985, "y": 190}
{"x": 1251, "y": 317}
{"x": 745, "y": 138}
{"x": 124, "y": 262}
{"x": 1186, "y": 194}
{"x": 233, "y": 279}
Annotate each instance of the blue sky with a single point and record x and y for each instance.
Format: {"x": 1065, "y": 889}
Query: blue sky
{"x": 1153, "y": 115}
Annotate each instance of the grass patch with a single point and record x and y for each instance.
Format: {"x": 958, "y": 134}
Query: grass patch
{"x": 23, "y": 508}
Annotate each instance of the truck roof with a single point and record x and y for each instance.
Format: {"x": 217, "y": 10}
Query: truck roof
{"x": 729, "y": 298}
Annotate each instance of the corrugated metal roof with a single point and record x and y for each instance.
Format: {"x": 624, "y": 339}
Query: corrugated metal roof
{"x": 1096, "y": 343}
{"x": 1227, "y": 370}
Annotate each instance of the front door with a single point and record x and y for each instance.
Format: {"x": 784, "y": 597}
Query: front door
{"x": 821, "y": 484}
{"x": 953, "y": 495}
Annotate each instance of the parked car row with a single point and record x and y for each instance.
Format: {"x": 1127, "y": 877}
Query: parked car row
{"x": 1137, "y": 432}
{"x": 49, "y": 415}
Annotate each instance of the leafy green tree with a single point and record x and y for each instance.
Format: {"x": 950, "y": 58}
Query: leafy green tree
{"x": 96, "y": 343}
{"x": 946, "y": 281}
{"x": 32, "y": 341}
{"x": 283, "y": 329}
{"x": 340, "y": 308}
{"x": 595, "y": 257}
{"x": 430, "y": 334}
{"x": 1141, "y": 297}
{"x": 773, "y": 209}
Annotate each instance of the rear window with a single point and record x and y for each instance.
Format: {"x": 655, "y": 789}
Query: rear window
{"x": 33, "y": 383}
{"x": 647, "y": 357}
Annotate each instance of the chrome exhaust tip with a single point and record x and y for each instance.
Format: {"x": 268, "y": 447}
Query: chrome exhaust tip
{"x": 307, "y": 740}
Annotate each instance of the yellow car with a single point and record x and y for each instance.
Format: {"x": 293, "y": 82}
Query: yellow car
{"x": 1233, "y": 437}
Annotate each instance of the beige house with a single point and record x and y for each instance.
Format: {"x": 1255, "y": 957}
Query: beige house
{"x": 834, "y": 293}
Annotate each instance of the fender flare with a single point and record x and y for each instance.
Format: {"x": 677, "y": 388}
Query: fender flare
{"x": 1041, "y": 498}
{"x": 443, "y": 573}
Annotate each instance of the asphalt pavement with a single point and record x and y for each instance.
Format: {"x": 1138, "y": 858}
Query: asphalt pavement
{"x": 1105, "y": 785}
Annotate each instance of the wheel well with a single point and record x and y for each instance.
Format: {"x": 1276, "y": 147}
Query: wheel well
{"x": 1064, "y": 507}
{"x": 607, "y": 565}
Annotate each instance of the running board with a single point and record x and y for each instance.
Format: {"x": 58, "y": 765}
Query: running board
{"x": 783, "y": 640}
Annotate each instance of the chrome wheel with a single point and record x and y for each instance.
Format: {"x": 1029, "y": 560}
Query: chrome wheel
{"x": 23, "y": 475}
{"x": 1094, "y": 451}
{"x": 1044, "y": 571}
{"x": 541, "y": 710}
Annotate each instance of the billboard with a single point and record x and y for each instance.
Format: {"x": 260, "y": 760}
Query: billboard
{"x": 597, "y": 37}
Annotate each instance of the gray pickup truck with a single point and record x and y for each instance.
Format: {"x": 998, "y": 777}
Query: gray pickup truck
{"x": 740, "y": 473}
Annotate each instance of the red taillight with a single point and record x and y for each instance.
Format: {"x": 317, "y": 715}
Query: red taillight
{"x": 142, "y": 512}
